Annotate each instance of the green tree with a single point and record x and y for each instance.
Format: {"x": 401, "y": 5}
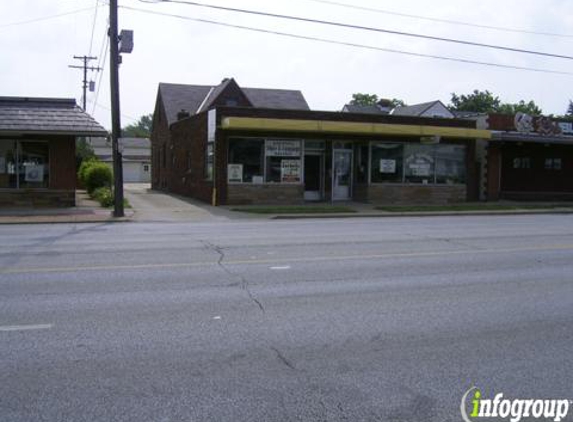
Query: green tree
{"x": 478, "y": 101}
{"x": 84, "y": 151}
{"x": 373, "y": 99}
{"x": 486, "y": 102}
{"x": 570, "y": 109}
{"x": 529, "y": 108}
{"x": 140, "y": 129}
{"x": 364, "y": 99}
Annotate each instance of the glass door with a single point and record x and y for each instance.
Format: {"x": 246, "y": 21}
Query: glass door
{"x": 342, "y": 175}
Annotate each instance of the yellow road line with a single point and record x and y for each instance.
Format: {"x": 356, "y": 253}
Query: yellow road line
{"x": 24, "y": 270}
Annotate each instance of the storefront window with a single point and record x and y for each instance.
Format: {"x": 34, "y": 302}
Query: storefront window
{"x": 450, "y": 164}
{"x": 417, "y": 163}
{"x": 283, "y": 163}
{"x": 249, "y": 154}
{"x": 386, "y": 163}
{"x": 24, "y": 164}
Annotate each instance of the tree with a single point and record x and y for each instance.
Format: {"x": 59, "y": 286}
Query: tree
{"x": 84, "y": 151}
{"x": 570, "y": 109}
{"x": 522, "y": 106}
{"x": 486, "y": 102}
{"x": 478, "y": 101}
{"x": 140, "y": 129}
{"x": 362, "y": 99}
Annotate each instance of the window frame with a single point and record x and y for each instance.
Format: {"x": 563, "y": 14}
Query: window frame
{"x": 18, "y": 153}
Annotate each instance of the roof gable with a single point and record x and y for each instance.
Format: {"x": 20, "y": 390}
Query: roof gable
{"x": 194, "y": 98}
{"x": 428, "y": 109}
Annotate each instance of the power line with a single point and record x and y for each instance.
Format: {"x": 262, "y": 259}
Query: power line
{"x": 101, "y": 64}
{"x": 448, "y": 21}
{"x": 364, "y": 28}
{"x": 94, "y": 26}
{"x": 348, "y": 44}
{"x": 73, "y": 12}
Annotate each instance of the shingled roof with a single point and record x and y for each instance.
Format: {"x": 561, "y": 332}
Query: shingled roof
{"x": 46, "y": 116}
{"x": 177, "y": 97}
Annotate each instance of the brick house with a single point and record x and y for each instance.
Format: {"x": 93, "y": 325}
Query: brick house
{"x": 37, "y": 150}
{"x": 223, "y": 145}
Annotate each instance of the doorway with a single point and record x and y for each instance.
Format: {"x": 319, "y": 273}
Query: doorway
{"x": 342, "y": 175}
{"x": 313, "y": 164}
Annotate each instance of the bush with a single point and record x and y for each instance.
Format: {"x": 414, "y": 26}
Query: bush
{"x": 97, "y": 175}
{"x": 84, "y": 166}
{"x": 104, "y": 196}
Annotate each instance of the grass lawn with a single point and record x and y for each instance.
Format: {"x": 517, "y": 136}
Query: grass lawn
{"x": 470, "y": 207}
{"x": 295, "y": 209}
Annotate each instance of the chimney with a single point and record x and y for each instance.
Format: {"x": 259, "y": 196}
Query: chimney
{"x": 385, "y": 105}
{"x": 183, "y": 114}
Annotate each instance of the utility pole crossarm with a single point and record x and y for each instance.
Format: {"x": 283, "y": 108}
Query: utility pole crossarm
{"x": 85, "y": 68}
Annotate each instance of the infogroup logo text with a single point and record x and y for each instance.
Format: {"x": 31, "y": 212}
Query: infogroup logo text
{"x": 513, "y": 410}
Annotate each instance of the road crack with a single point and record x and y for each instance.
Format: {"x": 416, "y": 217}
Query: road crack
{"x": 243, "y": 282}
{"x": 283, "y": 359}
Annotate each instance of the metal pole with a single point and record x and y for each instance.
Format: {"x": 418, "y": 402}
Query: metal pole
{"x": 115, "y": 117}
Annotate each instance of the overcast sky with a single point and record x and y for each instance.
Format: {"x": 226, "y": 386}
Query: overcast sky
{"x": 35, "y": 55}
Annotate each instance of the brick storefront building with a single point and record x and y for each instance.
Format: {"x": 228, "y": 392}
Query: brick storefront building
{"x": 38, "y": 150}
{"x": 226, "y": 147}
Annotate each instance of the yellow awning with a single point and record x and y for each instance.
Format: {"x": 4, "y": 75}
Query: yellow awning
{"x": 351, "y": 128}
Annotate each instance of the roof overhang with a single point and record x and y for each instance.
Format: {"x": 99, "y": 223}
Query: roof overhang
{"x": 17, "y": 133}
{"x": 350, "y": 128}
{"x": 531, "y": 138}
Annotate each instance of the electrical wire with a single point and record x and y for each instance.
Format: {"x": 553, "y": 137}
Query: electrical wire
{"x": 73, "y": 12}
{"x": 93, "y": 26}
{"x": 101, "y": 64}
{"x": 360, "y": 27}
{"x": 348, "y": 44}
{"x": 448, "y": 21}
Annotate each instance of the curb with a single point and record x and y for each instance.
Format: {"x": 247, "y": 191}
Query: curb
{"x": 420, "y": 214}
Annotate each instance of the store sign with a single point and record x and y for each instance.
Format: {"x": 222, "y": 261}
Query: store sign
{"x": 290, "y": 171}
{"x": 282, "y": 148}
{"x": 387, "y": 166}
{"x": 420, "y": 165}
{"x": 235, "y": 173}
{"x": 34, "y": 173}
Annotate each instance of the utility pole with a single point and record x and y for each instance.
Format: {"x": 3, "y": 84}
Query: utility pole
{"x": 85, "y": 67}
{"x": 115, "y": 116}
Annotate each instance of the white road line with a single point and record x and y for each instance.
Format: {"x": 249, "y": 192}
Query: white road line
{"x": 25, "y": 327}
{"x": 284, "y": 267}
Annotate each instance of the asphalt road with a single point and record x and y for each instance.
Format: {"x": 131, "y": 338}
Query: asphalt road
{"x": 306, "y": 320}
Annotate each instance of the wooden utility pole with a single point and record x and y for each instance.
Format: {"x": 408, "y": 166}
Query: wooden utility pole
{"x": 115, "y": 116}
{"x": 85, "y": 67}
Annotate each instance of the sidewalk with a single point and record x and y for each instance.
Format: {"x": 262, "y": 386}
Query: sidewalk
{"x": 85, "y": 211}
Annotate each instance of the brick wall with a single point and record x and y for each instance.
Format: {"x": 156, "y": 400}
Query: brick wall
{"x": 36, "y": 198}
{"x": 397, "y": 194}
{"x": 271, "y": 194}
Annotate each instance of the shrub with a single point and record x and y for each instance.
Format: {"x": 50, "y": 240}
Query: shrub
{"x": 104, "y": 196}
{"x": 84, "y": 166}
{"x": 97, "y": 175}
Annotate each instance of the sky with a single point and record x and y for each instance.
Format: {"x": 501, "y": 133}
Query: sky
{"x": 38, "y": 39}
